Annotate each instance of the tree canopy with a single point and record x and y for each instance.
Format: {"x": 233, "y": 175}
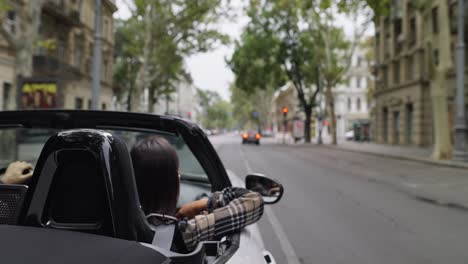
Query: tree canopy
{"x": 164, "y": 33}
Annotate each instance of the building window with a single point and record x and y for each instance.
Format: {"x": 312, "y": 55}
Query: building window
{"x": 409, "y": 124}
{"x": 6, "y": 94}
{"x": 90, "y": 104}
{"x": 358, "y": 104}
{"x": 385, "y": 76}
{"x": 435, "y": 20}
{"x": 410, "y": 70}
{"x": 78, "y": 103}
{"x": 397, "y": 31}
{"x": 61, "y": 50}
{"x": 78, "y": 54}
{"x": 105, "y": 28}
{"x": 436, "y": 56}
{"x": 349, "y": 104}
{"x": 396, "y": 127}
{"x": 377, "y": 46}
{"x": 11, "y": 21}
{"x": 453, "y": 13}
{"x": 105, "y": 69}
{"x": 396, "y": 72}
{"x": 385, "y": 124}
{"x": 358, "y": 84}
{"x": 103, "y": 106}
{"x": 412, "y": 31}
{"x": 359, "y": 61}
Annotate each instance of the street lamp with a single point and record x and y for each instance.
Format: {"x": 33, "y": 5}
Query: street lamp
{"x": 459, "y": 151}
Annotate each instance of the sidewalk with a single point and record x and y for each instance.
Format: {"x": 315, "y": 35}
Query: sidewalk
{"x": 447, "y": 190}
{"x": 398, "y": 152}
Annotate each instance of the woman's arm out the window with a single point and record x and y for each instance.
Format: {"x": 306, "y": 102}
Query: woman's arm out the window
{"x": 230, "y": 211}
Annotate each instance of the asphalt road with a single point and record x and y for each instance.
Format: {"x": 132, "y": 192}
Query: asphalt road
{"x": 332, "y": 213}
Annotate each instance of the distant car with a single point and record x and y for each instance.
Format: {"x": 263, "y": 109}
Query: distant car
{"x": 251, "y": 137}
{"x": 267, "y": 133}
{"x": 349, "y": 135}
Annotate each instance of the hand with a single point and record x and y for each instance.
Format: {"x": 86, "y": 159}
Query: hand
{"x": 192, "y": 209}
{"x": 14, "y": 173}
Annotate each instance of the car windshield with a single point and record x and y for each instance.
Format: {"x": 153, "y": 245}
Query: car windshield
{"x": 25, "y": 144}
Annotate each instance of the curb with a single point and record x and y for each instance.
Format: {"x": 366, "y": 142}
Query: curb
{"x": 444, "y": 163}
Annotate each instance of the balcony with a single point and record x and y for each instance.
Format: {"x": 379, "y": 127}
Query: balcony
{"x": 46, "y": 66}
{"x": 63, "y": 11}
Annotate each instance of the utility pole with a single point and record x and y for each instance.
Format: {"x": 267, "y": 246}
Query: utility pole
{"x": 459, "y": 151}
{"x": 97, "y": 56}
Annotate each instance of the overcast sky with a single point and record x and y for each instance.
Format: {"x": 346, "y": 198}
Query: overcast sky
{"x": 209, "y": 70}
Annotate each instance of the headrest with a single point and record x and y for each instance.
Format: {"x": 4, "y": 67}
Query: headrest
{"x": 84, "y": 181}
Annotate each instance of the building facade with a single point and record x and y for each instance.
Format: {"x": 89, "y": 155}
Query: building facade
{"x": 351, "y": 101}
{"x": 403, "y": 108}
{"x": 182, "y": 103}
{"x": 64, "y": 55}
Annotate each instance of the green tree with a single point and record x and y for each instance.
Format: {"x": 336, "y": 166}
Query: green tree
{"x": 275, "y": 47}
{"x": 219, "y": 115}
{"x": 206, "y": 99}
{"x": 245, "y": 104}
{"x": 333, "y": 49}
{"x": 216, "y": 112}
{"x": 171, "y": 31}
{"x": 127, "y": 63}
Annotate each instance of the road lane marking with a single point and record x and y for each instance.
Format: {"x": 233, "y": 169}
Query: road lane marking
{"x": 285, "y": 244}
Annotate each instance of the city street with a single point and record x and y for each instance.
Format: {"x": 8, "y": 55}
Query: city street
{"x": 335, "y": 211}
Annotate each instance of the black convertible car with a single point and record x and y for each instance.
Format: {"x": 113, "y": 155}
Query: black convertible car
{"x": 81, "y": 205}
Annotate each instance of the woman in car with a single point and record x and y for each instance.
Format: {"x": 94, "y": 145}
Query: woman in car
{"x": 156, "y": 167}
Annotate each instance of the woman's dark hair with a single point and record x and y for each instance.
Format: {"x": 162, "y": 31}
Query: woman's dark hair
{"x": 156, "y": 168}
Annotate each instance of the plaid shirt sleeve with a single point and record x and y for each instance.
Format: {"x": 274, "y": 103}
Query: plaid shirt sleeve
{"x": 229, "y": 211}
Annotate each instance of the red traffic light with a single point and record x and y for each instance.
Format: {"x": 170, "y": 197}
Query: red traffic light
{"x": 285, "y": 110}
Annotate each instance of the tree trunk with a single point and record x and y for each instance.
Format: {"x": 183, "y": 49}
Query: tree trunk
{"x": 331, "y": 108}
{"x": 308, "y": 118}
{"x": 442, "y": 144}
{"x": 440, "y": 114}
{"x": 142, "y": 75}
{"x": 151, "y": 100}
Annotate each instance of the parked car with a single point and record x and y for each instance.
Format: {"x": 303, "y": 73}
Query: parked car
{"x": 81, "y": 205}
{"x": 349, "y": 135}
{"x": 268, "y": 133}
{"x": 251, "y": 137}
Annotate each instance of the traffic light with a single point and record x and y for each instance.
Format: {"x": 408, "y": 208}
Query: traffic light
{"x": 285, "y": 110}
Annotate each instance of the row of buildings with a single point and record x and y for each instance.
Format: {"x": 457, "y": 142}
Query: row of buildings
{"x": 62, "y": 59}
{"x": 407, "y": 44}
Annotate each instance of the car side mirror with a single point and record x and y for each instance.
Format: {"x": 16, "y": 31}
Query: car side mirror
{"x": 270, "y": 190}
